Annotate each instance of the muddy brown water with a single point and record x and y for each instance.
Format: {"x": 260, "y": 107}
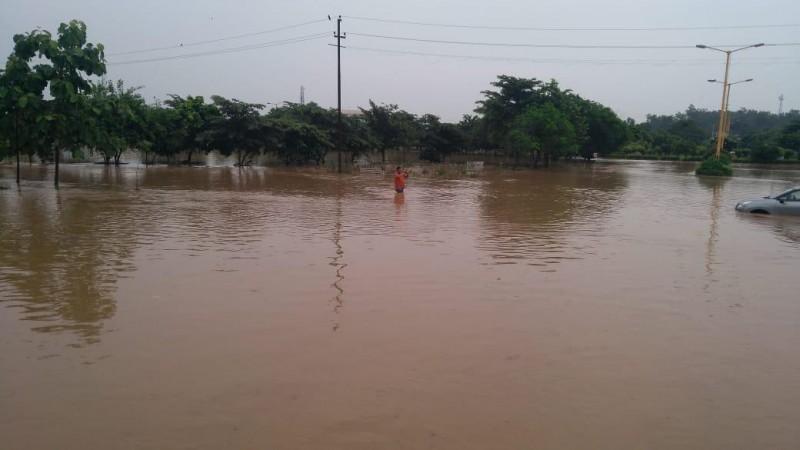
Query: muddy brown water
{"x": 609, "y": 306}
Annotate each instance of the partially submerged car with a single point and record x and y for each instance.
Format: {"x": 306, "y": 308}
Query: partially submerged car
{"x": 787, "y": 202}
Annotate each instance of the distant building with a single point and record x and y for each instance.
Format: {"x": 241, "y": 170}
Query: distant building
{"x": 351, "y": 112}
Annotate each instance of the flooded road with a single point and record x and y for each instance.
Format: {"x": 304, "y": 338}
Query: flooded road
{"x": 609, "y": 306}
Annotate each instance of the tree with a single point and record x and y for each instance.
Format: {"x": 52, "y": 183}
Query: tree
{"x": 357, "y": 136}
{"x": 790, "y": 136}
{"x": 71, "y": 59}
{"x": 238, "y": 129}
{"x": 501, "y": 107}
{"x": 605, "y": 132}
{"x": 162, "y": 131}
{"x": 193, "y": 117}
{"x": 308, "y": 113}
{"x": 119, "y": 121}
{"x": 21, "y": 89}
{"x": 385, "y": 130}
{"x": 391, "y": 127}
{"x": 687, "y": 129}
{"x": 474, "y": 129}
{"x": 439, "y": 139}
{"x": 764, "y": 153}
{"x": 298, "y": 143}
{"x": 547, "y": 131}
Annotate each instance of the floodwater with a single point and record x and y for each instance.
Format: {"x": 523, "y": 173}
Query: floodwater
{"x": 607, "y": 306}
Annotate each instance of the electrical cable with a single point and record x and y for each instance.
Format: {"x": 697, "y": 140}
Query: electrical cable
{"x": 511, "y": 28}
{"x": 227, "y": 50}
{"x": 571, "y": 61}
{"x": 212, "y": 41}
{"x": 562, "y": 46}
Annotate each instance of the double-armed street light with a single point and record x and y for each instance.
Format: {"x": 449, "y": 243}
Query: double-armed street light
{"x": 725, "y": 86}
{"x": 727, "y": 93}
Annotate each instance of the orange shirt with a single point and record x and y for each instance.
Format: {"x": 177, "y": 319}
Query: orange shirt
{"x": 400, "y": 180}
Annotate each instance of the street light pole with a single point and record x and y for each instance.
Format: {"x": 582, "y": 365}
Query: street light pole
{"x": 726, "y": 125}
{"x": 724, "y": 105}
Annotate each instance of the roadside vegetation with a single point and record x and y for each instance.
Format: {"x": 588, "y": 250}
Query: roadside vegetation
{"x": 755, "y": 136}
{"x": 54, "y": 100}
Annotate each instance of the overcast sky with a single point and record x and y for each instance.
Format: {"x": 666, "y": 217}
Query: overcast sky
{"x": 632, "y": 82}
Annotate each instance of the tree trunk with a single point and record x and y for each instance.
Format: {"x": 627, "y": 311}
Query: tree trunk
{"x": 383, "y": 156}
{"x": 16, "y": 143}
{"x": 536, "y": 159}
{"x": 547, "y": 159}
{"x": 58, "y": 159}
{"x": 189, "y": 158}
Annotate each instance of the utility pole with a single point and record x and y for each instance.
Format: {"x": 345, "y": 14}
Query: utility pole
{"x": 302, "y": 95}
{"x": 780, "y": 104}
{"x": 339, "y": 133}
{"x": 723, "y": 116}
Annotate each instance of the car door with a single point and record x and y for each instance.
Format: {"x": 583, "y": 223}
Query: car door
{"x": 789, "y": 203}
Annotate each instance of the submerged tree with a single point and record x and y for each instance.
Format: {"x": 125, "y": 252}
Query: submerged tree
{"x": 194, "y": 116}
{"x": 391, "y": 127}
{"x": 21, "y": 95}
{"x": 547, "y": 130}
{"x": 298, "y": 143}
{"x": 71, "y": 59}
{"x": 439, "y": 139}
{"x": 239, "y": 129}
{"x": 539, "y": 119}
{"x": 119, "y": 120}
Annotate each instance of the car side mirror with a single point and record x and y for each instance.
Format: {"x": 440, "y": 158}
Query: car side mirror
{"x": 781, "y": 200}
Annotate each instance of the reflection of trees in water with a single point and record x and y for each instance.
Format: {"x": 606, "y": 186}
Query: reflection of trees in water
{"x": 61, "y": 256}
{"x": 529, "y": 215}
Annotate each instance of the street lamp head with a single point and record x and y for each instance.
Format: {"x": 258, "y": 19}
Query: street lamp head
{"x": 759, "y": 45}
{"x": 701, "y": 46}
{"x": 748, "y": 80}
{"x": 712, "y": 81}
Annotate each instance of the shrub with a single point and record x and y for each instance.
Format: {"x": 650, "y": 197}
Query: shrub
{"x": 715, "y": 167}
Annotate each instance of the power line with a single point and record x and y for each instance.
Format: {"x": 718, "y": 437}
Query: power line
{"x": 212, "y": 41}
{"x": 227, "y": 50}
{"x": 511, "y": 28}
{"x": 571, "y": 61}
{"x": 564, "y": 46}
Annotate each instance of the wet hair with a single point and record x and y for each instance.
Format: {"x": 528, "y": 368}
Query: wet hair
{"x": 397, "y": 168}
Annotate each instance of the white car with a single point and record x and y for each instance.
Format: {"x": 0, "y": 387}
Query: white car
{"x": 786, "y": 203}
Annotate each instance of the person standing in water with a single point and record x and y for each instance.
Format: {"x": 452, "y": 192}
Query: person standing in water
{"x": 400, "y": 176}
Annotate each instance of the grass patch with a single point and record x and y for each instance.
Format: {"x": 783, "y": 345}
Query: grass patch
{"x": 715, "y": 167}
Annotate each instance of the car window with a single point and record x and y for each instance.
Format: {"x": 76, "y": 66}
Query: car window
{"x": 793, "y": 196}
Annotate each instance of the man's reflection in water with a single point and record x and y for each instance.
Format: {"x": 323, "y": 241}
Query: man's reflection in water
{"x": 399, "y": 199}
